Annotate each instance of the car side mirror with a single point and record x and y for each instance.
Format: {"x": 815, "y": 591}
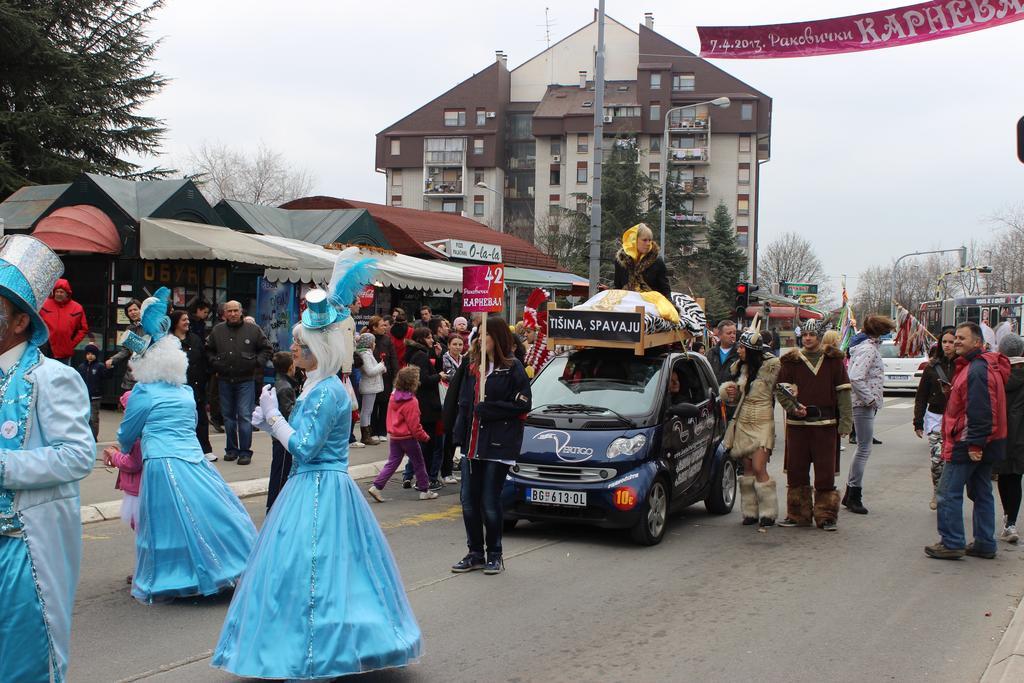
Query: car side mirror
{"x": 685, "y": 410}
{"x": 712, "y": 393}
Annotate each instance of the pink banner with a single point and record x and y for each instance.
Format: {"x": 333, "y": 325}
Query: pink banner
{"x": 871, "y": 31}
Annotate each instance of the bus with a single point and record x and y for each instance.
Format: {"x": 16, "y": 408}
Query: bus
{"x": 990, "y": 309}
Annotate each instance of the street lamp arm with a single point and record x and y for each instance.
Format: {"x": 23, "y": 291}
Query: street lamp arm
{"x": 892, "y": 279}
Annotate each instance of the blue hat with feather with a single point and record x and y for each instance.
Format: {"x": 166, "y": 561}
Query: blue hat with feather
{"x": 324, "y": 307}
{"x": 154, "y": 322}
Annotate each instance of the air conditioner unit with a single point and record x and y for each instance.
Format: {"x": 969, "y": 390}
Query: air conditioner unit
{"x": 609, "y": 119}
{"x": 491, "y": 114}
{"x": 556, "y": 159}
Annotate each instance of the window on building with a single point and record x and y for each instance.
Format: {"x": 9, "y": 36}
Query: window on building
{"x": 397, "y": 203}
{"x": 478, "y": 205}
{"x": 478, "y": 146}
{"x": 743, "y": 205}
{"x": 481, "y": 117}
{"x": 396, "y": 182}
{"x": 581, "y": 172}
{"x": 450, "y": 206}
{"x": 555, "y": 176}
{"x": 581, "y": 204}
{"x": 455, "y": 117}
{"x": 745, "y": 143}
{"x": 684, "y": 82}
{"x": 655, "y": 175}
{"x": 582, "y": 143}
{"x": 396, "y": 147}
{"x": 556, "y": 146}
{"x": 655, "y": 143}
{"x": 655, "y": 112}
{"x": 746, "y": 111}
{"x": 478, "y": 177}
{"x": 655, "y": 81}
{"x": 742, "y": 239}
{"x": 743, "y": 178}
{"x": 444, "y": 150}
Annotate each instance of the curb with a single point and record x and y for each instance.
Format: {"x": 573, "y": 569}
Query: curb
{"x": 111, "y": 509}
{"x": 1007, "y": 663}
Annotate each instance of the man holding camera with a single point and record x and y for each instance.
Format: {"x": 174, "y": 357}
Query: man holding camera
{"x": 814, "y": 390}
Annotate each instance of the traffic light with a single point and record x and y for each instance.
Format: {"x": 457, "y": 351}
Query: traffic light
{"x": 1020, "y": 139}
{"x": 742, "y": 299}
{"x": 963, "y": 257}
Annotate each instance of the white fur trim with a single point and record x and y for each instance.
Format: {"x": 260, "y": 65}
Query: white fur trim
{"x": 164, "y": 361}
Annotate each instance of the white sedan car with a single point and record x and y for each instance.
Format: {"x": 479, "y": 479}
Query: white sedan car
{"x": 900, "y": 373}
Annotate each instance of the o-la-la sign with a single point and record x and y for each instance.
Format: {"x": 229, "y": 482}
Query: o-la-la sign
{"x": 466, "y": 250}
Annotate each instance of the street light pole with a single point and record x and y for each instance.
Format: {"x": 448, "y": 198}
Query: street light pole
{"x": 595, "y": 202}
{"x": 892, "y": 280}
{"x": 722, "y": 102}
{"x": 501, "y": 204}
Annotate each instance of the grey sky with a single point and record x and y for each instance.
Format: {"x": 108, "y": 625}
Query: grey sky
{"x": 874, "y": 154}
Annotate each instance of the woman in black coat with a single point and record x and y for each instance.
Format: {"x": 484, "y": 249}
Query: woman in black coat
{"x": 1012, "y": 467}
{"x": 491, "y": 433}
{"x": 638, "y": 266}
{"x": 384, "y": 349}
{"x": 423, "y": 353}
{"x": 195, "y": 376}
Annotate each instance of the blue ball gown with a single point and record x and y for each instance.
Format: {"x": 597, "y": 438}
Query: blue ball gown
{"x": 193, "y": 536}
{"x": 322, "y": 596}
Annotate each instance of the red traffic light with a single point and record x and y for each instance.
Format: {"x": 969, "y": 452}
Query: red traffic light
{"x": 741, "y": 288}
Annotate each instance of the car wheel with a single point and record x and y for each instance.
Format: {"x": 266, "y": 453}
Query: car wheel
{"x": 722, "y": 495}
{"x": 650, "y": 528}
{"x": 509, "y": 524}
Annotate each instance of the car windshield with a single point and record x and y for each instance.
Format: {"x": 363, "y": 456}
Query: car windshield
{"x": 889, "y": 351}
{"x": 624, "y": 383}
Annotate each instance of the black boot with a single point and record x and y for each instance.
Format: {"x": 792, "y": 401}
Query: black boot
{"x": 852, "y": 500}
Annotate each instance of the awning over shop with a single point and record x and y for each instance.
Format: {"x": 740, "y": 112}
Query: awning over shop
{"x": 551, "y": 279}
{"x": 169, "y": 239}
{"x": 409, "y": 272}
{"x": 315, "y": 263}
{"x": 79, "y": 228}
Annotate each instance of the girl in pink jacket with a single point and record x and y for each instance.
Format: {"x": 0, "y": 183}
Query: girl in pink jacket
{"x": 405, "y": 432}
{"x": 129, "y": 473}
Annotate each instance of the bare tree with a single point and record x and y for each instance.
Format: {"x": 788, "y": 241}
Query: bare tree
{"x": 791, "y": 258}
{"x": 1006, "y": 251}
{"x": 565, "y": 236}
{"x": 265, "y": 177}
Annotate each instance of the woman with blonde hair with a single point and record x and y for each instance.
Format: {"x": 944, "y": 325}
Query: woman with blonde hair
{"x": 638, "y": 264}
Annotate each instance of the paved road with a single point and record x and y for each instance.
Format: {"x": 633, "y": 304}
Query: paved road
{"x": 715, "y": 601}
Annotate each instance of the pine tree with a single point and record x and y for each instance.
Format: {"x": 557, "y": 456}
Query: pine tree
{"x": 722, "y": 263}
{"x": 73, "y": 74}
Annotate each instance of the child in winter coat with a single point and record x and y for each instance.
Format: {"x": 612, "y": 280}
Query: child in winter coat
{"x": 405, "y": 431}
{"x": 287, "y": 387}
{"x": 370, "y": 384}
{"x": 93, "y": 372}
{"x": 129, "y": 475}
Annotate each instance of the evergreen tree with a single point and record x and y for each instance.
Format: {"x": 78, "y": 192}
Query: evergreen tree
{"x": 721, "y": 262}
{"x": 73, "y": 74}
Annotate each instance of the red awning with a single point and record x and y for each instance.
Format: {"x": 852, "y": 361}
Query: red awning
{"x": 79, "y": 228}
{"x": 783, "y": 312}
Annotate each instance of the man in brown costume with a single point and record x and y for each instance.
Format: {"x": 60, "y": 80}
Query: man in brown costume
{"x": 814, "y": 390}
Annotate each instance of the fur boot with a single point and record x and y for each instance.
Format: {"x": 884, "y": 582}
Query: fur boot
{"x": 767, "y": 502}
{"x": 799, "y": 506}
{"x": 826, "y": 507}
{"x": 748, "y": 500}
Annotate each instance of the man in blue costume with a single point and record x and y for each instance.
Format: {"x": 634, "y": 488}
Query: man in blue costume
{"x": 46, "y": 446}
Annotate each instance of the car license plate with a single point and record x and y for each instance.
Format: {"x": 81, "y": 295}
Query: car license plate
{"x": 897, "y": 378}
{"x": 553, "y": 497}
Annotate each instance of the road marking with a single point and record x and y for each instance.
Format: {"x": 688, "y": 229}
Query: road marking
{"x": 448, "y": 577}
{"x": 453, "y": 512}
{"x": 164, "y": 668}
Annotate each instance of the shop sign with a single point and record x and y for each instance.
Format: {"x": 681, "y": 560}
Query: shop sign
{"x": 583, "y": 325}
{"x": 366, "y": 296}
{"x": 467, "y": 251}
{"x": 483, "y": 289}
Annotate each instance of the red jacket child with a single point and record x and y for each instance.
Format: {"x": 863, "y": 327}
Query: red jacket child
{"x": 404, "y": 417}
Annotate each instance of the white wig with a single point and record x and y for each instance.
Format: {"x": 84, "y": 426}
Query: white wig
{"x": 164, "y": 361}
{"x": 327, "y": 345}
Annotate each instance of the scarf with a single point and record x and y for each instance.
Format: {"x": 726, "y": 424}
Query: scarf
{"x": 635, "y": 269}
{"x": 17, "y": 396}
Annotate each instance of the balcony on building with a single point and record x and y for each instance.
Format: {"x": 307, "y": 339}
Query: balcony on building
{"x": 691, "y": 218}
{"x": 688, "y": 155}
{"x": 443, "y": 181}
{"x": 688, "y": 119}
{"x": 697, "y": 186}
{"x": 444, "y": 151}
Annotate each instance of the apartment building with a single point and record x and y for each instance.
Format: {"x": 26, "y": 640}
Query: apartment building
{"x": 512, "y": 148}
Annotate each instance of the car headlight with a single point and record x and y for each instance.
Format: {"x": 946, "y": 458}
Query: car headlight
{"x": 626, "y": 445}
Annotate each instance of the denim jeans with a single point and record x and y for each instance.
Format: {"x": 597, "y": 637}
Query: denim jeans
{"x": 977, "y": 477}
{"x": 864, "y": 424}
{"x": 237, "y": 401}
{"x": 482, "y": 482}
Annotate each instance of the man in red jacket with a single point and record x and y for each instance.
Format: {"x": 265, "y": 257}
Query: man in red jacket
{"x": 973, "y": 438}
{"x": 66, "y": 321}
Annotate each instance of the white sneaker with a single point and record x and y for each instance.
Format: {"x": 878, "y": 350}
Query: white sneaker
{"x": 1009, "y": 534}
{"x": 357, "y": 444}
{"x": 428, "y": 495}
{"x": 382, "y": 438}
{"x": 375, "y": 494}
{"x": 210, "y": 456}
{"x": 450, "y": 479}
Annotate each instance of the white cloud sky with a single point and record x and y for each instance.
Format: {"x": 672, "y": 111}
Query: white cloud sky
{"x": 874, "y": 154}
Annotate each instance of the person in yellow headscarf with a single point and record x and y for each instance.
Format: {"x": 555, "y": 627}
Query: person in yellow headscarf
{"x": 638, "y": 265}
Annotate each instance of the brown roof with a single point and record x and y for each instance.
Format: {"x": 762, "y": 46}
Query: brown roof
{"x": 567, "y": 100}
{"x": 408, "y": 229}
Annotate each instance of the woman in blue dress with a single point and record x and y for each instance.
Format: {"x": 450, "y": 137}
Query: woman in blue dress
{"x": 193, "y": 536}
{"x": 321, "y": 596}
